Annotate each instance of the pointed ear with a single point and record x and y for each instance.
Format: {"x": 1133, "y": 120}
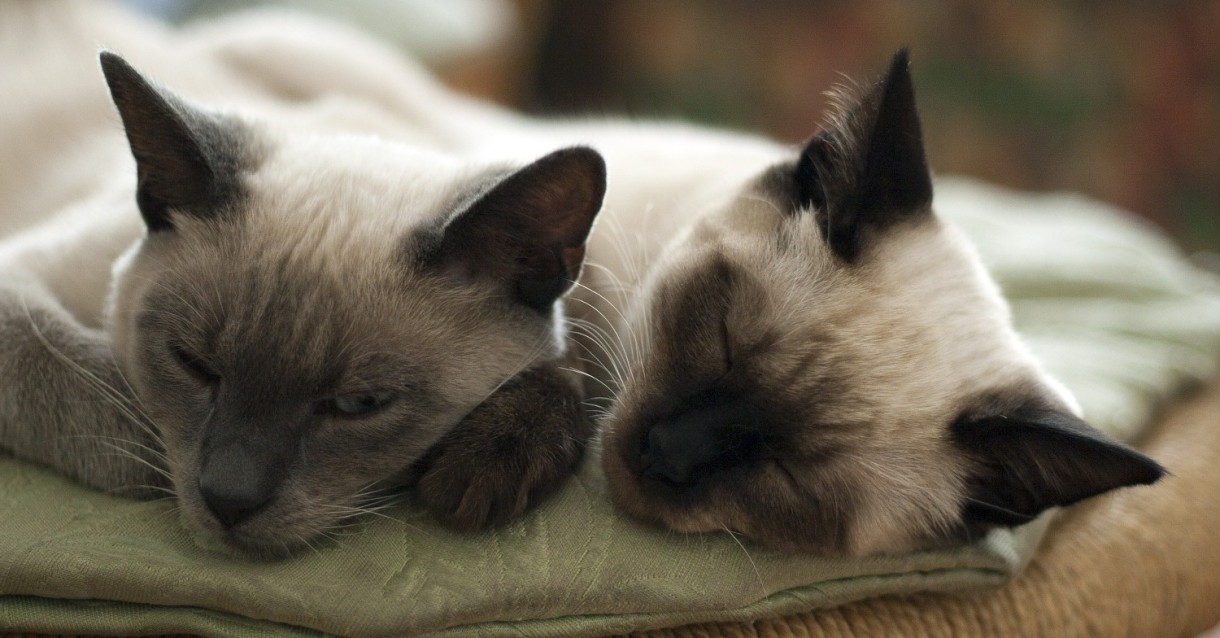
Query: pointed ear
{"x": 867, "y": 171}
{"x": 187, "y": 160}
{"x": 1033, "y": 460}
{"x": 529, "y": 230}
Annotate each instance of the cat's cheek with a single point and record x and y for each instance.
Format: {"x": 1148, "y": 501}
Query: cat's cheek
{"x": 373, "y": 451}
{"x": 627, "y": 491}
{"x": 630, "y": 495}
{"x": 712, "y": 508}
{"x": 179, "y": 423}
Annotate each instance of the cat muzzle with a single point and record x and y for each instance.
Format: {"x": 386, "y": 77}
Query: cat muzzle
{"x": 714, "y": 436}
{"x": 238, "y": 480}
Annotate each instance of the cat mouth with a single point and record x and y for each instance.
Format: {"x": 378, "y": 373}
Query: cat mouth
{"x": 647, "y": 487}
{"x": 243, "y": 540}
{"x": 722, "y": 500}
{"x": 681, "y": 458}
{"x": 263, "y": 540}
{"x": 277, "y": 531}
{"x": 241, "y": 546}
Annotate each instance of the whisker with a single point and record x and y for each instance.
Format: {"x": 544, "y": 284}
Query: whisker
{"x": 604, "y": 345}
{"x": 603, "y": 340}
{"x": 131, "y": 455}
{"x": 757, "y": 574}
{"x": 172, "y": 495}
{"x": 115, "y": 398}
{"x": 617, "y": 354}
{"x": 625, "y": 293}
{"x": 304, "y": 541}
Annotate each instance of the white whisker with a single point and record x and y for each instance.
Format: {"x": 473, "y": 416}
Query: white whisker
{"x": 761, "y": 585}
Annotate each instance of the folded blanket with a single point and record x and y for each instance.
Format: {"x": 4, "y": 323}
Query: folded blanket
{"x": 1111, "y": 308}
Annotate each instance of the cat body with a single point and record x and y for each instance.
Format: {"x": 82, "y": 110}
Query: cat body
{"x": 270, "y": 314}
{"x": 798, "y": 349}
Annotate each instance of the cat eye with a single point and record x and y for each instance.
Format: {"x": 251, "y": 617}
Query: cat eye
{"x": 194, "y": 365}
{"x": 355, "y": 404}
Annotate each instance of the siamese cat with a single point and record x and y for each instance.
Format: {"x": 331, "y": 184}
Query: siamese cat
{"x": 815, "y": 361}
{"x": 275, "y": 325}
{"x": 798, "y": 349}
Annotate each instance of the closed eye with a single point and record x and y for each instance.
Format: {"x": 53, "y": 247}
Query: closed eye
{"x": 726, "y": 343}
{"x": 194, "y": 365}
{"x": 355, "y": 405}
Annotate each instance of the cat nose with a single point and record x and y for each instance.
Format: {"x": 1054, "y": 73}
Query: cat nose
{"x": 708, "y": 437}
{"x": 672, "y": 454}
{"x": 233, "y": 484}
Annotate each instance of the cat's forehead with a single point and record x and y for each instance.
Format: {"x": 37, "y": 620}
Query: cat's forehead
{"x": 311, "y": 298}
{"x": 341, "y": 208}
{"x": 747, "y": 218}
{"x": 355, "y": 182}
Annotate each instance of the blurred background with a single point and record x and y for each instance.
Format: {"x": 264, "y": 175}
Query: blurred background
{"x": 1118, "y": 99}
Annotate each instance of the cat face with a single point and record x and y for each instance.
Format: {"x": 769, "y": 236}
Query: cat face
{"x": 308, "y": 315}
{"x": 823, "y": 365}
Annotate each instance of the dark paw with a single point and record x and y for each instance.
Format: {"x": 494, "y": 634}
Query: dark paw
{"x": 511, "y": 452}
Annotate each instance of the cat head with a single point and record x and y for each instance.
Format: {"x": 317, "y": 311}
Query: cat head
{"x": 824, "y": 365}
{"x": 306, "y": 315}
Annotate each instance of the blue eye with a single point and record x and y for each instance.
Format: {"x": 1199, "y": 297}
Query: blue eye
{"x": 356, "y": 404}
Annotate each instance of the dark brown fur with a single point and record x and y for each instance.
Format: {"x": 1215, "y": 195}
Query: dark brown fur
{"x": 508, "y": 454}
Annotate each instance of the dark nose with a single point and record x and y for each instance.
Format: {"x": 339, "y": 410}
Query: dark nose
{"x": 234, "y": 484}
{"x": 705, "y": 437}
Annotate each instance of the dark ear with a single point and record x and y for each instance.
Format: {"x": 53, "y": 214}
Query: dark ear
{"x": 187, "y": 160}
{"x": 529, "y": 230}
{"x": 1032, "y": 460}
{"x": 867, "y": 171}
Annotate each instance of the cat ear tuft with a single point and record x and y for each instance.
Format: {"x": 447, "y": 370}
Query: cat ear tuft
{"x": 1035, "y": 459}
{"x": 867, "y": 170}
{"x": 187, "y": 160}
{"x": 530, "y": 229}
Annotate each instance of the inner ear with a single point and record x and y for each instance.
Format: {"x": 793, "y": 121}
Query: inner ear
{"x": 528, "y": 232}
{"x": 187, "y": 160}
{"x": 866, "y": 172}
{"x": 810, "y": 191}
{"x": 1031, "y": 459}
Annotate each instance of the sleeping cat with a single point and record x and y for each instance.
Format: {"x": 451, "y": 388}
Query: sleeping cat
{"x": 271, "y": 324}
{"x": 799, "y": 350}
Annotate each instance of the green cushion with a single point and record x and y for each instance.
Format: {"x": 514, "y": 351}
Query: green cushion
{"x": 1111, "y": 308}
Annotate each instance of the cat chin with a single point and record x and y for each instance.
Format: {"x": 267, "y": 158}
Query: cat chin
{"x": 727, "y": 511}
{"x": 261, "y": 538}
{"x": 652, "y": 501}
{"x": 236, "y": 547}
{"x": 281, "y": 530}
{"x": 215, "y": 543}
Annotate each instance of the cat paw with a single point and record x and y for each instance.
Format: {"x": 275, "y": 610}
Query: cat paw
{"x": 507, "y": 455}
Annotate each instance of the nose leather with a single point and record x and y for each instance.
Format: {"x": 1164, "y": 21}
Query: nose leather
{"x": 235, "y": 483}
{"x": 712, "y": 434}
{"x": 674, "y": 452}
{"x": 248, "y": 448}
